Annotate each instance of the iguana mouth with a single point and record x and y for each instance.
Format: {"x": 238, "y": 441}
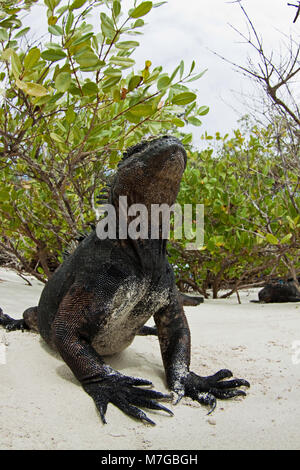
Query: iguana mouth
{"x": 150, "y": 172}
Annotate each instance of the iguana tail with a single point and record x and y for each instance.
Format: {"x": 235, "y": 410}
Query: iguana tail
{"x": 190, "y": 300}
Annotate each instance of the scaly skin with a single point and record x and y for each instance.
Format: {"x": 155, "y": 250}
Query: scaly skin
{"x": 106, "y": 290}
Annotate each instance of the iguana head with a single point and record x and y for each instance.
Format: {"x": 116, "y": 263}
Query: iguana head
{"x": 150, "y": 172}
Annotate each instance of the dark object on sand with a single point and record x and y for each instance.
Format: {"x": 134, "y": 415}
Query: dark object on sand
{"x": 279, "y": 291}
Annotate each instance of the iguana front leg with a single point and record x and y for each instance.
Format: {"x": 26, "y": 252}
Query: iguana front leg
{"x": 71, "y": 334}
{"x": 174, "y": 338}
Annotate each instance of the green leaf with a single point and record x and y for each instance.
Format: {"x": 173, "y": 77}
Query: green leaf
{"x": 81, "y": 39}
{"x": 159, "y": 4}
{"x": 184, "y": 98}
{"x": 90, "y": 89}
{"x": 74, "y": 90}
{"x": 60, "y": 126}
{"x": 84, "y": 49}
{"x": 15, "y": 64}
{"x": 116, "y": 8}
{"x": 292, "y": 223}
{"x": 286, "y": 238}
{"x": 28, "y": 123}
{"x": 110, "y": 82}
{"x": 163, "y": 82}
{"x": 53, "y": 54}
{"x": 31, "y": 58}
{"x": 187, "y": 139}
{"x": 134, "y": 82}
{"x": 51, "y": 4}
{"x": 154, "y": 127}
{"x": 63, "y": 81}
{"x": 132, "y": 117}
{"x": 194, "y": 121}
{"x": 203, "y": 110}
{"x": 174, "y": 73}
{"x": 88, "y": 59}
{"x": 33, "y": 89}
{"x": 178, "y": 122}
{"x": 57, "y": 137}
{"x": 52, "y": 20}
{"x": 127, "y": 45}
{"x": 196, "y": 77}
{"x": 272, "y": 239}
{"x": 96, "y": 131}
{"x": 181, "y": 68}
{"x": 3, "y": 35}
{"x": 123, "y": 62}
{"x": 10, "y": 22}
{"x": 70, "y": 115}
{"x": 22, "y": 33}
{"x": 53, "y": 45}
{"x": 55, "y": 30}
{"x": 77, "y": 4}
{"x": 5, "y": 55}
{"x": 69, "y": 22}
{"x": 190, "y": 108}
{"x": 107, "y": 26}
{"x": 192, "y": 66}
{"x": 138, "y": 23}
{"x": 141, "y": 10}
{"x": 4, "y": 195}
{"x": 142, "y": 110}
{"x": 112, "y": 72}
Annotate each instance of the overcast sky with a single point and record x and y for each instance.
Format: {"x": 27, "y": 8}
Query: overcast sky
{"x": 187, "y": 29}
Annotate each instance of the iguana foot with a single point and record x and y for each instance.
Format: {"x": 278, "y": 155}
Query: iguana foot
{"x": 10, "y": 324}
{"x": 206, "y": 390}
{"x": 147, "y": 331}
{"x": 124, "y": 393}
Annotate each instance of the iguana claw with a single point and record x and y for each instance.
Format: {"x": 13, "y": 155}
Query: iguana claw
{"x": 124, "y": 393}
{"x": 206, "y": 390}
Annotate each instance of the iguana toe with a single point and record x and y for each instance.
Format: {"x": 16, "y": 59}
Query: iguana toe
{"x": 206, "y": 390}
{"x": 124, "y": 393}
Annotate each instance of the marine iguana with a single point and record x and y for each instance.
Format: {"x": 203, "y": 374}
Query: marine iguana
{"x": 279, "y": 291}
{"x": 187, "y": 300}
{"x": 101, "y": 296}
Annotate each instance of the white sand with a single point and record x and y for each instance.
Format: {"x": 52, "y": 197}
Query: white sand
{"x": 43, "y": 407}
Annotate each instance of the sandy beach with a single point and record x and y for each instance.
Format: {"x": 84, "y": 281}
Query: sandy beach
{"x": 43, "y": 406}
